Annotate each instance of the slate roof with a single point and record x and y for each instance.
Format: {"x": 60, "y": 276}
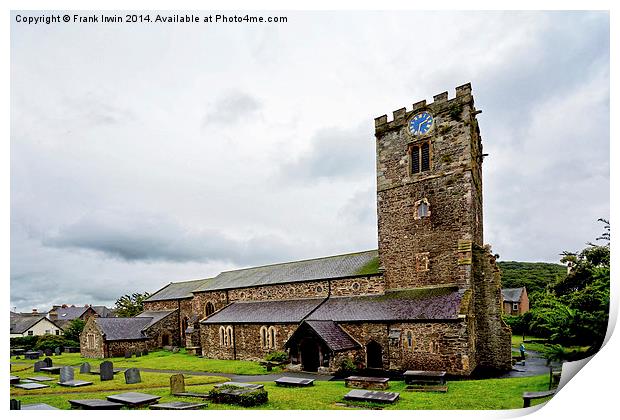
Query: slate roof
{"x": 298, "y": 271}
{"x": 124, "y": 328}
{"x": 334, "y": 337}
{"x": 20, "y": 323}
{"x": 422, "y": 304}
{"x": 275, "y": 311}
{"x": 155, "y": 316}
{"x": 70, "y": 312}
{"x": 103, "y": 311}
{"x": 179, "y": 290}
{"x": 512, "y": 295}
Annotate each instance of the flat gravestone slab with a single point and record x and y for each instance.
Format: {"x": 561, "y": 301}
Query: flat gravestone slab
{"x": 177, "y": 405}
{"x": 95, "y": 404}
{"x": 421, "y": 376}
{"x": 32, "y": 355}
{"x": 372, "y": 396}
{"x": 14, "y": 380}
{"x": 133, "y": 398}
{"x": 39, "y": 407}
{"x": 367, "y": 379}
{"x": 31, "y": 385}
{"x": 290, "y": 381}
{"x": 48, "y": 352}
{"x": 40, "y": 378}
{"x": 132, "y": 376}
{"x": 240, "y": 385}
{"x": 74, "y": 383}
{"x": 54, "y": 369}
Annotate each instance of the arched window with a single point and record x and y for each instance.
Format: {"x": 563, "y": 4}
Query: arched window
{"x": 209, "y": 308}
{"x": 263, "y": 337}
{"x": 422, "y": 209}
{"x": 272, "y": 337}
{"x": 409, "y": 339}
{"x": 222, "y": 336}
{"x": 229, "y": 336}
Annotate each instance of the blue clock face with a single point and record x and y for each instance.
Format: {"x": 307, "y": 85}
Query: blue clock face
{"x": 421, "y": 124}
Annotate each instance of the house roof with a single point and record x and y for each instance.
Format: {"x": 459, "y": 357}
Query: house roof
{"x": 20, "y": 323}
{"x": 298, "y": 271}
{"x": 103, "y": 311}
{"x": 71, "y": 312}
{"x": 333, "y": 335}
{"x": 124, "y": 328}
{"x": 179, "y": 290}
{"x": 423, "y": 304}
{"x": 155, "y": 316}
{"x": 275, "y": 311}
{"x": 512, "y": 294}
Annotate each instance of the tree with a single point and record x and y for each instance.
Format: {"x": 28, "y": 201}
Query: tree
{"x": 130, "y": 305}
{"x": 74, "y": 329}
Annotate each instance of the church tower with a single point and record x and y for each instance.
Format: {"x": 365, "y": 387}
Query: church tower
{"x": 429, "y": 192}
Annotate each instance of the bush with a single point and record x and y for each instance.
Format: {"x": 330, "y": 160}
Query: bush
{"x": 348, "y": 366}
{"x": 247, "y": 399}
{"x": 277, "y": 356}
{"x": 49, "y": 341}
{"x": 27, "y": 342}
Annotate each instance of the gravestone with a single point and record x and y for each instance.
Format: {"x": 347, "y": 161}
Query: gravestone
{"x": 40, "y": 406}
{"x": 74, "y": 383}
{"x": 31, "y": 385}
{"x": 53, "y": 369}
{"x": 177, "y": 405}
{"x": 106, "y": 371}
{"x": 16, "y": 404}
{"x": 85, "y": 367}
{"x": 127, "y": 354}
{"x": 38, "y": 365}
{"x": 40, "y": 378}
{"x": 134, "y": 399}
{"x": 138, "y": 353}
{"x": 175, "y": 349}
{"x": 94, "y": 404}
{"x": 294, "y": 382}
{"x": 177, "y": 384}
{"x": 145, "y": 352}
{"x": 14, "y": 379}
{"x": 132, "y": 376}
{"x": 57, "y": 351}
{"x": 48, "y": 352}
{"x": 372, "y": 396}
{"x": 66, "y": 374}
{"x": 48, "y": 362}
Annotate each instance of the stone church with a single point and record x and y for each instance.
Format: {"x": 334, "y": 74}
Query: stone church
{"x": 428, "y": 299}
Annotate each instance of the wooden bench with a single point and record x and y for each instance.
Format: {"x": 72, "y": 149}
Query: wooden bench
{"x": 529, "y": 396}
{"x": 366, "y": 382}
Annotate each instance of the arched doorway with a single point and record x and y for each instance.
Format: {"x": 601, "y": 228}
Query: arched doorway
{"x": 374, "y": 355}
{"x": 309, "y": 352}
{"x": 165, "y": 340}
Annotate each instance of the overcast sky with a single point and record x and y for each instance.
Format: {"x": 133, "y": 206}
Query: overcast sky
{"x": 145, "y": 154}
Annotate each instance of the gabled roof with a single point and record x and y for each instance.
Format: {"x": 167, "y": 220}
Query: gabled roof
{"x": 155, "y": 316}
{"x": 298, "y": 271}
{"x": 20, "y": 323}
{"x": 71, "y": 312}
{"x": 332, "y": 335}
{"x": 103, "y": 311}
{"x": 512, "y": 294}
{"x": 275, "y": 311}
{"x": 123, "y": 328}
{"x": 179, "y": 290}
{"x": 416, "y": 304}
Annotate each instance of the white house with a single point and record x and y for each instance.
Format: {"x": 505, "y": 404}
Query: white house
{"x": 23, "y": 325}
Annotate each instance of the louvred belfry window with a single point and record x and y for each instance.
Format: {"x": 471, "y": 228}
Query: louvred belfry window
{"x": 421, "y": 158}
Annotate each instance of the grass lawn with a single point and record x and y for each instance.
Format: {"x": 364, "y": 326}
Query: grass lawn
{"x": 466, "y": 394}
{"x": 166, "y": 360}
{"x": 539, "y": 347}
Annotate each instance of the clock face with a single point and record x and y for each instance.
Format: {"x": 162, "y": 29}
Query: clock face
{"x": 421, "y": 124}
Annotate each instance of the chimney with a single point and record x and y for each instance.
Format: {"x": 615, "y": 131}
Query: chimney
{"x": 64, "y": 305}
{"x": 34, "y": 311}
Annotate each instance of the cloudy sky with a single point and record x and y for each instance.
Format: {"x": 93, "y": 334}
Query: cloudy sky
{"x": 145, "y": 154}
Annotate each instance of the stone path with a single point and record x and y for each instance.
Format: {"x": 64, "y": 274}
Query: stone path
{"x": 534, "y": 365}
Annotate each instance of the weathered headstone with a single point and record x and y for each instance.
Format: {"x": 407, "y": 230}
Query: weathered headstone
{"x": 48, "y": 362}
{"x": 48, "y": 352}
{"x": 106, "y": 371}
{"x": 16, "y": 404}
{"x": 66, "y": 374}
{"x": 128, "y": 354}
{"x": 177, "y": 384}
{"x": 134, "y": 399}
{"x": 145, "y": 352}
{"x": 132, "y": 376}
{"x": 177, "y": 405}
{"x": 57, "y": 351}
{"x": 138, "y": 353}
{"x": 38, "y": 365}
{"x": 85, "y": 367}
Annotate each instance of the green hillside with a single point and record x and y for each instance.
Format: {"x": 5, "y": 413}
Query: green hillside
{"x": 534, "y": 276}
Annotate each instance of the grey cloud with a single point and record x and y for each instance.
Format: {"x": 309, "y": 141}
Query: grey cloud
{"x": 139, "y": 237}
{"x": 334, "y": 153}
{"x": 232, "y": 108}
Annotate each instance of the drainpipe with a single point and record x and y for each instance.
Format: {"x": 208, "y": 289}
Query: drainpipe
{"x": 179, "y": 321}
{"x": 234, "y": 337}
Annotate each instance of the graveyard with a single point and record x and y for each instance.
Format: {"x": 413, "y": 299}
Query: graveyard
{"x": 121, "y": 383}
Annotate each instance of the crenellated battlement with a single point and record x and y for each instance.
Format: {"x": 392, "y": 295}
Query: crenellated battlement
{"x": 440, "y": 100}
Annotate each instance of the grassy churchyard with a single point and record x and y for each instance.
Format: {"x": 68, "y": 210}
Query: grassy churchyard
{"x": 463, "y": 394}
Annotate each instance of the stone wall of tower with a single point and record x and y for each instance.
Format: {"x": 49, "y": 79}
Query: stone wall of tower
{"x": 436, "y": 249}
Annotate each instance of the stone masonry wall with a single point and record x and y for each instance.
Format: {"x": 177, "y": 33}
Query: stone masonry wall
{"x": 424, "y": 251}
{"x": 493, "y": 341}
{"x": 118, "y": 348}
{"x": 98, "y": 351}
{"x": 169, "y": 325}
